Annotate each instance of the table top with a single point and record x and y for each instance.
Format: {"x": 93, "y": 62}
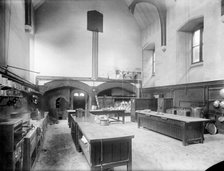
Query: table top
{"x": 96, "y": 132}
{"x": 71, "y": 111}
{"x": 106, "y": 110}
{"x": 172, "y": 116}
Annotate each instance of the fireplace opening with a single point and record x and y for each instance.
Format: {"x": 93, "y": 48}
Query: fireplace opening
{"x": 61, "y": 107}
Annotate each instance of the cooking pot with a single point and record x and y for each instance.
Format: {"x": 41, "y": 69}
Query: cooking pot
{"x": 196, "y": 112}
{"x": 221, "y": 119}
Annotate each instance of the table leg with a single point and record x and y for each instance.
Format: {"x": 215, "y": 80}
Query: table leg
{"x": 138, "y": 119}
{"x": 93, "y": 169}
{"x": 129, "y": 165}
{"x": 202, "y": 131}
{"x": 78, "y": 136}
{"x": 184, "y": 135}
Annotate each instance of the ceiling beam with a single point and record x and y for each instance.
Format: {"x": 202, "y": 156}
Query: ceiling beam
{"x": 37, "y": 3}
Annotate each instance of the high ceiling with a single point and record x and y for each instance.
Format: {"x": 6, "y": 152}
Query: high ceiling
{"x": 37, "y": 3}
{"x": 144, "y": 13}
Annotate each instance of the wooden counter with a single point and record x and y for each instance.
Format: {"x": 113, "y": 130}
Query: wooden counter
{"x": 109, "y": 112}
{"x": 105, "y": 146}
{"x": 187, "y": 129}
{"x": 33, "y": 142}
{"x": 70, "y": 112}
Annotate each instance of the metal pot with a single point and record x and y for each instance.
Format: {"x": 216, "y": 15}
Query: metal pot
{"x": 196, "y": 112}
{"x": 221, "y": 119}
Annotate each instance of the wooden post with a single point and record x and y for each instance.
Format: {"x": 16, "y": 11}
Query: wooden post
{"x": 95, "y": 45}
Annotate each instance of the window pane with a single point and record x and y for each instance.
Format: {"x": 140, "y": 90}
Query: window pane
{"x": 196, "y": 54}
{"x": 153, "y": 63}
{"x": 196, "y": 38}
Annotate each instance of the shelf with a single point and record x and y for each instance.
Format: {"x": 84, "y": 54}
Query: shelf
{"x": 15, "y": 80}
{"x": 10, "y": 93}
{"x": 123, "y": 97}
{"x": 15, "y": 96}
{"x": 117, "y": 97}
{"x": 99, "y": 79}
{"x": 3, "y": 87}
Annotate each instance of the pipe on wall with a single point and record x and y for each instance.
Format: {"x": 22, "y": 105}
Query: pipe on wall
{"x": 28, "y": 15}
{"x": 161, "y": 8}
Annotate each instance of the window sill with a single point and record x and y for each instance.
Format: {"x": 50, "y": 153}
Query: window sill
{"x": 196, "y": 64}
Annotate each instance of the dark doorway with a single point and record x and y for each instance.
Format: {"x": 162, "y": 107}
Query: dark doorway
{"x": 79, "y": 100}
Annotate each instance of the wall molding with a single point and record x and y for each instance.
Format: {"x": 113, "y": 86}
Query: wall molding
{"x": 187, "y": 85}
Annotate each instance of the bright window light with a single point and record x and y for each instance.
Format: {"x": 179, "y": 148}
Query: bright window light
{"x": 81, "y": 94}
{"x": 76, "y": 94}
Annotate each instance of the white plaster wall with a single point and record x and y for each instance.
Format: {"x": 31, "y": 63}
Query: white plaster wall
{"x": 16, "y": 39}
{"x": 173, "y": 66}
{"x": 63, "y": 46}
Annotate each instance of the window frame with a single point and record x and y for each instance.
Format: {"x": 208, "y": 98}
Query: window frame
{"x": 201, "y": 29}
{"x": 153, "y": 62}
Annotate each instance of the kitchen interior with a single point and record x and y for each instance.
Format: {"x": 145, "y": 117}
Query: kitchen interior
{"x": 111, "y": 85}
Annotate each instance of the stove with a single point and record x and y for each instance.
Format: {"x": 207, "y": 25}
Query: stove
{"x": 11, "y": 141}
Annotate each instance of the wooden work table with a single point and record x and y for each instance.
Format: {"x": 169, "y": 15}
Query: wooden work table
{"x": 116, "y": 112}
{"x": 104, "y": 146}
{"x": 187, "y": 129}
{"x": 70, "y": 112}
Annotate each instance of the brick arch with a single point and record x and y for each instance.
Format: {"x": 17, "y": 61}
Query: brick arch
{"x": 126, "y": 86}
{"x": 66, "y": 83}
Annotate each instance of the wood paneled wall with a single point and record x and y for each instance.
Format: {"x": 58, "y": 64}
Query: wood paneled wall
{"x": 201, "y": 94}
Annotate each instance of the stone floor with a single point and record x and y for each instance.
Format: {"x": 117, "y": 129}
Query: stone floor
{"x": 150, "y": 151}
